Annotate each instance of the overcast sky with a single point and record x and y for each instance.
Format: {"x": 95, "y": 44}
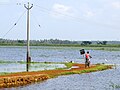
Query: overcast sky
{"x": 61, "y": 19}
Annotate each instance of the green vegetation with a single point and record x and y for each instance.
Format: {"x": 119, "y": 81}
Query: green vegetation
{"x": 68, "y": 65}
{"x": 114, "y": 86}
{"x": 6, "y": 62}
{"x": 4, "y": 73}
{"x": 71, "y": 72}
{"x": 100, "y": 67}
{"x": 88, "y": 45}
{"x": 97, "y": 68}
{"x": 57, "y": 42}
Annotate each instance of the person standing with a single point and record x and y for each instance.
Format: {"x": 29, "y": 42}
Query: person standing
{"x": 87, "y": 59}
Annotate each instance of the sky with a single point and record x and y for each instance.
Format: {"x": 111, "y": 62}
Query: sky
{"x": 76, "y": 20}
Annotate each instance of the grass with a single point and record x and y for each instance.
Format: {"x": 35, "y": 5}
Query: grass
{"x": 68, "y": 65}
{"x": 114, "y": 86}
{"x": 71, "y": 72}
{"x": 5, "y": 62}
{"x": 97, "y": 68}
{"x": 88, "y": 70}
{"x": 108, "y": 47}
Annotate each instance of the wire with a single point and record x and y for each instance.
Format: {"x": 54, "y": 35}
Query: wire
{"x": 9, "y": 30}
{"x": 36, "y": 21}
{"x": 21, "y": 16}
{"x": 78, "y": 19}
{"x": 14, "y": 24}
{"x": 10, "y": 4}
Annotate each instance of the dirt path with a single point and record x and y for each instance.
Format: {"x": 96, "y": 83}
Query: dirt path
{"x": 49, "y": 72}
{"x": 24, "y": 78}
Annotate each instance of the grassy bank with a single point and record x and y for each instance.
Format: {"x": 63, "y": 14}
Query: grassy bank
{"x": 85, "y": 70}
{"x": 24, "y": 78}
{"x": 66, "y": 45}
{"x": 67, "y": 70}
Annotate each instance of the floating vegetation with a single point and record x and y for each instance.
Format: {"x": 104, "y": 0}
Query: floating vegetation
{"x": 114, "y": 86}
{"x": 12, "y": 67}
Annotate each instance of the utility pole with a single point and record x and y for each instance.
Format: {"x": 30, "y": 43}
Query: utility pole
{"x": 28, "y": 58}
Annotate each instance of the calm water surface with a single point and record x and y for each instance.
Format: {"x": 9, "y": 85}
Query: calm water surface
{"x": 103, "y": 80}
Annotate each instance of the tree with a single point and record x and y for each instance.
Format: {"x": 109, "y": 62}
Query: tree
{"x": 99, "y": 43}
{"x": 86, "y": 43}
{"x": 20, "y": 41}
{"x": 104, "y": 42}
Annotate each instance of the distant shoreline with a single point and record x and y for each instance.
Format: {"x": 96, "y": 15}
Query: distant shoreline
{"x": 57, "y": 42}
{"x": 88, "y": 47}
{"x": 66, "y": 45}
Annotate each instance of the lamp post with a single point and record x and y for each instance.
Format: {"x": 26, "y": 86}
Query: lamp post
{"x": 28, "y": 58}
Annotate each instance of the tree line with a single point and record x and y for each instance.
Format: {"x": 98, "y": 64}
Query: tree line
{"x": 49, "y": 42}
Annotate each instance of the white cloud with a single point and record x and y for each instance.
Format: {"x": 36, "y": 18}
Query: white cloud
{"x": 89, "y": 14}
{"x": 60, "y": 10}
{"x": 116, "y": 5}
{"x": 87, "y": 11}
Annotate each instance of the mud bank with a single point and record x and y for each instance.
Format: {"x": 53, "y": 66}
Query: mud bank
{"x": 15, "y": 81}
{"x": 24, "y": 78}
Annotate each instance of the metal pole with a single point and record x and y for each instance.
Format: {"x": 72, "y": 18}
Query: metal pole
{"x": 28, "y": 58}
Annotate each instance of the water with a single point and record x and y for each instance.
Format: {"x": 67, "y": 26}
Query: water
{"x": 103, "y": 80}
{"x": 90, "y": 81}
{"x": 17, "y": 67}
